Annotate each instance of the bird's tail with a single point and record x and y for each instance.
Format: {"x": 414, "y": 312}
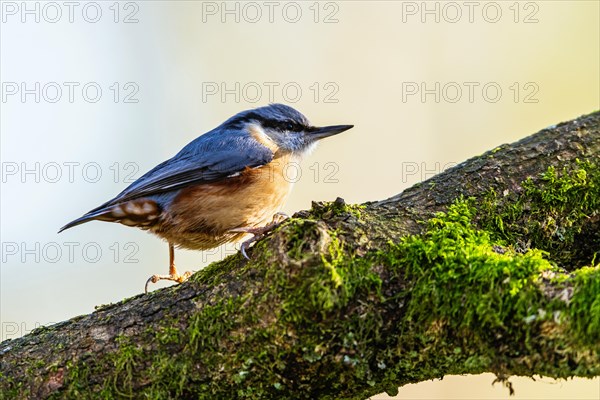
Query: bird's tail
{"x": 139, "y": 212}
{"x": 90, "y": 216}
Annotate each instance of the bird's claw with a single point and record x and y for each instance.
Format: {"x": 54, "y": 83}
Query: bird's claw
{"x": 245, "y": 246}
{"x": 259, "y": 232}
{"x": 173, "y": 277}
{"x": 279, "y": 217}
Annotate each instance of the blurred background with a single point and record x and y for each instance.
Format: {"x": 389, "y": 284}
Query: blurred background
{"x": 96, "y": 93}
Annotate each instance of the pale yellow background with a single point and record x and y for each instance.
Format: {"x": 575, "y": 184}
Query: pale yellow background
{"x": 170, "y": 53}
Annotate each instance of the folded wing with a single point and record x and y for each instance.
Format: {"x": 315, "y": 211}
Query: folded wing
{"x": 209, "y": 158}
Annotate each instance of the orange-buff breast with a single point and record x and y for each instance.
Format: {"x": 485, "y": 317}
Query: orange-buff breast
{"x": 201, "y": 216}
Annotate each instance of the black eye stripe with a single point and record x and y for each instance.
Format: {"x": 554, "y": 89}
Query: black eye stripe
{"x": 283, "y": 125}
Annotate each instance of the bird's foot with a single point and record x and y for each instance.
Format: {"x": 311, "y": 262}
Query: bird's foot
{"x": 175, "y": 277}
{"x": 259, "y": 232}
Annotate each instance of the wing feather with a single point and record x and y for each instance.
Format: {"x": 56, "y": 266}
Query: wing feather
{"x": 214, "y": 156}
{"x": 178, "y": 174}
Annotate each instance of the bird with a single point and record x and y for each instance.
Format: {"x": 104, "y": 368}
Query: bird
{"x": 221, "y": 187}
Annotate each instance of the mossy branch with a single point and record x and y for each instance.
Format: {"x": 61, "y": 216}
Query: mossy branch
{"x": 489, "y": 267}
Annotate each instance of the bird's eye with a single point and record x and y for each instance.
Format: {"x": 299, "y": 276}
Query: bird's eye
{"x": 289, "y": 126}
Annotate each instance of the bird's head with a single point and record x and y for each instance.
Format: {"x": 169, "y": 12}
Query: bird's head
{"x": 284, "y": 126}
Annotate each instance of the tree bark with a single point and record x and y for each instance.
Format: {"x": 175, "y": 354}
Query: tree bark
{"x": 346, "y": 301}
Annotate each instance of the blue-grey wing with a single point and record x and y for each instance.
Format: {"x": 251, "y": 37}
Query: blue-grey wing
{"x": 209, "y": 158}
{"x": 214, "y": 156}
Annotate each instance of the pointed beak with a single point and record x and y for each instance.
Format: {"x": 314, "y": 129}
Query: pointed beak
{"x": 326, "y": 131}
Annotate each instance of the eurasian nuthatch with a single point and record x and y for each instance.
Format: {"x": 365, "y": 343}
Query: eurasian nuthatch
{"x": 222, "y": 186}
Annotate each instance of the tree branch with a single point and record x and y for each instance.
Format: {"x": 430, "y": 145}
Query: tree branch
{"x": 348, "y": 301}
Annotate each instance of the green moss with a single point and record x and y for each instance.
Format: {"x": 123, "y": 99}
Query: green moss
{"x": 78, "y": 377}
{"x": 327, "y": 210}
{"x": 551, "y": 212}
{"x": 486, "y": 298}
{"x": 10, "y": 389}
{"x": 453, "y": 255}
{"x": 216, "y": 271}
{"x": 584, "y": 310}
